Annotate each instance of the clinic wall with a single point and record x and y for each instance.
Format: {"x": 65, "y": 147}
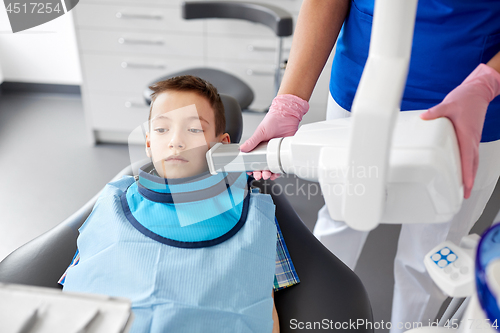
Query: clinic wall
{"x": 44, "y": 54}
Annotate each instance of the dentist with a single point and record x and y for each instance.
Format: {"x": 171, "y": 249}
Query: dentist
{"x": 454, "y": 72}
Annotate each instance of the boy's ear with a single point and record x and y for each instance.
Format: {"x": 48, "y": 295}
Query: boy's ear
{"x": 148, "y": 145}
{"x": 225, "y": 138}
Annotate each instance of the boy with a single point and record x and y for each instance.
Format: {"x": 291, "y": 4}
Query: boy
{"x": 194, "y": 252}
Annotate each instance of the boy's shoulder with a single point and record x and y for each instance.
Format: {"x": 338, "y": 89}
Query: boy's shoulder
{"x": 118, "y": 186}
{"x": 263, "y": 202}
{"x": 262, "y": 197}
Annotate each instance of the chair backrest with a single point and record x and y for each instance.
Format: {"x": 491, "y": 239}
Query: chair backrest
{"x": 279, "y": 20}
{"x": 234, "y": 119}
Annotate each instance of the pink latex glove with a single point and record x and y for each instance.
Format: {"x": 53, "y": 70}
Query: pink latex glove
{"x": 282, "y": 120}
{"x": 466, "y": 107}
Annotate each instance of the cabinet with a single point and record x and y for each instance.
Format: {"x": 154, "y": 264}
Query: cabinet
{"x": 126, "y": 44}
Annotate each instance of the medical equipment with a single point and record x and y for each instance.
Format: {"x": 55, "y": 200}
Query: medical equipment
{"x": 470, "y": 270}
{"x": 451, "y": 267}
{"x": 380, "y": 165}
{"x": 25, "y": 309}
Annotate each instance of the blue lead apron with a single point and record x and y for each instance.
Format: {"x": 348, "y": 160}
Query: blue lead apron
{"x": 183, "y": 272}
{"x": 451, "y": 38}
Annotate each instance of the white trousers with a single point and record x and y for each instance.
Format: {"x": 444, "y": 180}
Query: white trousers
{"x": 416, "y": 297}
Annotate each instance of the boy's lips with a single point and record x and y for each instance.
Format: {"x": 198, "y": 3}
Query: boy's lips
{"x": 176, "y": 159}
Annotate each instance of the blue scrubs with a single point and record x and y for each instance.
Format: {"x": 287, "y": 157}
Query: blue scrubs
{"x": 451, "y": 38}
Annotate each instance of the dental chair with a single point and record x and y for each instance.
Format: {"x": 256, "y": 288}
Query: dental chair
{"x": 328, "y": 292}
{"x": 275, "y": 18}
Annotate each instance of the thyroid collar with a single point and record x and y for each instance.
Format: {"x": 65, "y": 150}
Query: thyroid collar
{"x": 193, "y": 212}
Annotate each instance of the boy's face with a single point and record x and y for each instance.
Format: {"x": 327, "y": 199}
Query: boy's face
{"x": 181, "y": 131}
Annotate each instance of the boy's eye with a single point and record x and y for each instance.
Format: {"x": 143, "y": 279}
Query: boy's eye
{"x": 196, "y": 130}
{"x": 160, "y": 130}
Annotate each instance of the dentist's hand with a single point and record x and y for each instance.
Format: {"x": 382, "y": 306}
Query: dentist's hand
{"x": 466, "y": 107}
{"x": 282, "y": 120}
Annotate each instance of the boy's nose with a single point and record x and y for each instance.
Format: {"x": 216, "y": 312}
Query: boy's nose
{"x": 176, "y": 145}
{"x": 177, "y": 142}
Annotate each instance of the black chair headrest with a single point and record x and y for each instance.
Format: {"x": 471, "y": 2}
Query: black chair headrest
{"x": 234, "y": 119}
{"x": 276, "y": 18}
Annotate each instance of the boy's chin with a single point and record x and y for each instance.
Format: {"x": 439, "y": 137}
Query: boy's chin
{"x": 177, "y": 174}
{"x": 180, "y": 170}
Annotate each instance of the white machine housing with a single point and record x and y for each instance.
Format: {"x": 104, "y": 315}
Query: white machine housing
{"x": 424, "y": 181}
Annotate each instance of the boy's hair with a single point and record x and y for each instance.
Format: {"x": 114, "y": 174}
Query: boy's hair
{"x": 197, "y": 85}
